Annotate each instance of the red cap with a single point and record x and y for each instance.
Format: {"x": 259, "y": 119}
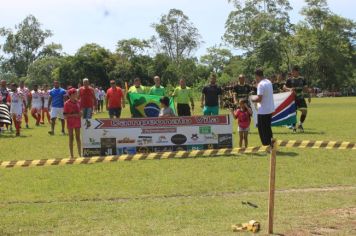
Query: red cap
{"x": 72, "y": 91}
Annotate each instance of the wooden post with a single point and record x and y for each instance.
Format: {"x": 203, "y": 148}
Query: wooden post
{"x": 272, "y": 178}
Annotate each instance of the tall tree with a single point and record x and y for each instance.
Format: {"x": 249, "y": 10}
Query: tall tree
{"x": 258, "y": 27}
{"x": 216, "y": 58}
{"x": 132, "y": 47}
{"x": 23, "y": 45}
{"x": 176, "y": 35}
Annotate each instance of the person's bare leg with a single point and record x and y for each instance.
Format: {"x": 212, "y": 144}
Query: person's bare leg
{"x": 63, "y": 125}
{"x": 53, "y": 124}
{"x": 70, "y": 132}
{"x": 246, "y": 138}
{"x": 241, "y": 134}
{"x": 79, "y": 144}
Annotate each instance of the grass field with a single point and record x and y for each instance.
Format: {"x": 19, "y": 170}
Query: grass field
{"x": 316, "y": 188}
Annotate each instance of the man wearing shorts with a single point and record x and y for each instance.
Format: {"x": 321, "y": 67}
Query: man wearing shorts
{"x": 211, "y": 98}
{"x": 115, "y": 100}
{"x": 36, "y": 104}
{"x": 298, "y": 85}
{"x": 56, "y": 102}
{"x": 183, "y": 96}
{"x": 26, "y": 93}
{"x": 87, "y": 99}
{"x": 16, "y": 101}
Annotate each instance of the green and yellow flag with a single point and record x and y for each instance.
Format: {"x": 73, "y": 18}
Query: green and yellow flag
{"x": 144, "y": 105}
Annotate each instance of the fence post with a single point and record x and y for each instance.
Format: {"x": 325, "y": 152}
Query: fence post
{"x": 272, "y": 178}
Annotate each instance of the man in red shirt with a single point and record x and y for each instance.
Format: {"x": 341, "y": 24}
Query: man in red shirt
{"x": 115, "y": 100}
{"x": 87, "y": 99}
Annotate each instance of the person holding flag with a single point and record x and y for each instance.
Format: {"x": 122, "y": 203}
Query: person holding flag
{"x": 157, "y": 89}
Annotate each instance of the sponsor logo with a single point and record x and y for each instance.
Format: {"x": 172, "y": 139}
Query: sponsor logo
{"x": 126, "y": 151}
{"x": 144, "y": 140}
{"x": 92, "y": 141}
{"x": 108, "y": 142}
{"x": 211, "y": 137}
{"x": 108, "y": 151}
{"x": 194, "y": 137}
{"x": 162, "y": 139}
{"x": 126, "y": 140}
{"x": 179, "y": 148}
{"x": 163, "y": 149}
{"x": 210, "y": 146}
{"x": 88, "y": 152}
{"x": 179, "y": 139}
{"x": 205, "y": 130}
{"x": 195, "y": 147}
{"x": 159, "y": 130}
{"x": 144, "y": 149}
{"x": 225, "y": 140}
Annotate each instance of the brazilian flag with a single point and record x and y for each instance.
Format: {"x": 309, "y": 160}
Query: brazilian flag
{"x": 144, "y": 105}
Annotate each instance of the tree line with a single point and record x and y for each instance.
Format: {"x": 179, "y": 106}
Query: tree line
{"x": 322, "y": 44}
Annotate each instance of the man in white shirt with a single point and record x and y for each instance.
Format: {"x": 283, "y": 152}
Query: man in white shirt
{"x": 265, "y": 105}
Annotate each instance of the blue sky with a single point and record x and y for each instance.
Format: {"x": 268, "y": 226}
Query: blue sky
{"x": 76, "y": 22}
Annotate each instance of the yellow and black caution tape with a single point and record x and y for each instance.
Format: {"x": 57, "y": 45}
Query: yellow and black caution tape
{"x": 136, "y": 157}
{"x": 179, "y": 154}
{"x": 316, "y": 144}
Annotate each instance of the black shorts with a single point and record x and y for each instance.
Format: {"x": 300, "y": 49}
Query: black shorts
{"x": 183, "y": 109}
{"x": 115, "y": 112}
{"x": 301, "y": 104}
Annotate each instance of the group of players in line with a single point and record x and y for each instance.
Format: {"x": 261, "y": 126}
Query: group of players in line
{"x": 235, "y": 92}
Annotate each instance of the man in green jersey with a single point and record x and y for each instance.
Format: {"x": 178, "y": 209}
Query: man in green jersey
{"x": 183, "y": 95}
{"x": 298, "y": 85}
{"x": 157, "y": 89}
{"x": 137, "y": 87}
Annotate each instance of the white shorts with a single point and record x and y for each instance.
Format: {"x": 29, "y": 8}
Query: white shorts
{"x": 57, "y": 113}
{"x": 243, "y": 129}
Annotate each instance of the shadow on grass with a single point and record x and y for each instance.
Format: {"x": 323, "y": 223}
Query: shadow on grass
{"x": 286, "y": 154}
{"x": 305, "y": 132}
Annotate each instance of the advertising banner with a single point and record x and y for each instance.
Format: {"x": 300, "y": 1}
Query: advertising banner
{"x": 102, "y": 137}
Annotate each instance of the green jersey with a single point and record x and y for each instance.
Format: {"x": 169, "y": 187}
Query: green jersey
{"x": 159, "y": 91}
{"x": 183, "y": 96}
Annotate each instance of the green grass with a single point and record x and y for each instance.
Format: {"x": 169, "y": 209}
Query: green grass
{"x": 199, "y": 196}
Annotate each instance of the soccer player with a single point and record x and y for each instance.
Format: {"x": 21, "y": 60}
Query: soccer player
{"x": 298, "y": 85}
{"x": 211, "y": 98}
{"x": 241, "y": 90}
{"x": 26, "y": 93}
{"x": 45, "y": 111}
{"x": 36, "y": 102}
{"x": 183, "y": 96}
{"x": 137, "y": 87}
{"x": 56, "y": 102}
{"x": 157, "y": 89}
{"x": 16, "y": 101}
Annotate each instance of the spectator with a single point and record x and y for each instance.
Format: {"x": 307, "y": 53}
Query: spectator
{"x": 165, "y": 111}
{"x": 72, "y": 115}
{"x": 115, "y": 100}
{"x": 211, "y": 95}
{"x": 87, "y": 99}
{"x": 265, "y": 107}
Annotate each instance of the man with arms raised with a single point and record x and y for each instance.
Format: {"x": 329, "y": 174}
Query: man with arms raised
{"x": 55, "y": 105}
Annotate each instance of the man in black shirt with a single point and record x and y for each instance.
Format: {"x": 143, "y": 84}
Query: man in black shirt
{"x": 241, "y": 90}
{"x": 298, "y": 85}
{"x": 211, "y": 98}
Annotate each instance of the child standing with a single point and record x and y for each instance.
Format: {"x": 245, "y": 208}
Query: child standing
{"x": 72, "y": 114}
{"x": 243, "y": 116}
{"x": 16, "y": 101}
